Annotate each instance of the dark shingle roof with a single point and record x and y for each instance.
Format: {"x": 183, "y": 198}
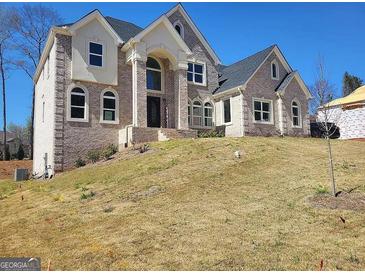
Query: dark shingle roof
{"x": 125, "y": 30}
{"x": 238, "y": 73}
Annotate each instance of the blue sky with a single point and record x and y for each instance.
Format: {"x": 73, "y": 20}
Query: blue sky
{"x": 236, "y": 30}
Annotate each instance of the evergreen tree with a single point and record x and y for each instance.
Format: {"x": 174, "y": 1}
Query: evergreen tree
{"x": 20, "y": 153}
{"x": 350, "y": 83}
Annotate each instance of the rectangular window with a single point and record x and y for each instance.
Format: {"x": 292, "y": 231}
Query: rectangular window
{"x": 262, "y": 111}
{"x": 95, "y": 54}
{"x": 196, "y": 73}
{"x": 227, "y": 110}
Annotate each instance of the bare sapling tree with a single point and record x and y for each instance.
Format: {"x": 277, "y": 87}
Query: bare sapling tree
{"x": 327, "y": 117}
{"x": 5, "y": 38}
{"x": 31, "y": 25}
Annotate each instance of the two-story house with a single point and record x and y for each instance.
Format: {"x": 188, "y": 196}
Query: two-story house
{"x": 101, "y": 80}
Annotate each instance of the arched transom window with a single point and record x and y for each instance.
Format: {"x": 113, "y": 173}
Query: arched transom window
{"x": 153, "y": 74}
{"x": 109, "y": 110}
{"x": 296, "y": 114}
{"x": 78, "y": 104}
{"x": 208, "y": 114}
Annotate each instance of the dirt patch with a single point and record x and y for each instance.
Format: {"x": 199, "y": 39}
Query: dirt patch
{"x": 7, "y": 167}
{"x": 346, "y": 201}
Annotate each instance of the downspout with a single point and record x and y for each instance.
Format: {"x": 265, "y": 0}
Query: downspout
{"x": 280, "y": 110}
{"x": 242, "y": 123}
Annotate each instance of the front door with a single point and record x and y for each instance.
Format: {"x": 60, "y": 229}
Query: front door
{"x": 153, "y": 112}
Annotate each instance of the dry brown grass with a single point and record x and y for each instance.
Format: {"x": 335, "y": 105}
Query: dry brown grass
{"x": 206, "y": 209}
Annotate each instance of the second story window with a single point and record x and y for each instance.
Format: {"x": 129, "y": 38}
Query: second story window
{"x": 153, "y": 72}
{"x": 179, "y": 28}
{"x": 196, "y": 73}
{"x": 95, "y": 54}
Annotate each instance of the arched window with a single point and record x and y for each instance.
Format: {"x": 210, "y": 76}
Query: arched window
{"x": 197, "y": 113}
{"x": 274, "y": 70}
{"x": 189, "y": 112}
{"x": 296, "y": 114}
{"x": 78, "y": 104}
{"x": 208, "y": 114}
{"x": 153, "y": 74}
{"x": 179, "y": 28}
{"x": 109, "y": 107}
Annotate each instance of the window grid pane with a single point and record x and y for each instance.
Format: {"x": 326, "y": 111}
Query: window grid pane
{"x": 262, "y": 111}
{"x": 227, "y": 111}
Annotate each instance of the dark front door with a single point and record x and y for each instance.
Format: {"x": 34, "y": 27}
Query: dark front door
{"x": 153, "y": 112}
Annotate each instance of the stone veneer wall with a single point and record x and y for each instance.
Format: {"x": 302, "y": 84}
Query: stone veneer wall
{"x": 75, "y": 139}
{"x": 200, "y": 54}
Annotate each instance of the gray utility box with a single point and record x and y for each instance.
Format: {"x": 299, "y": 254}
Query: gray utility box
{"x": 21, "y": 174}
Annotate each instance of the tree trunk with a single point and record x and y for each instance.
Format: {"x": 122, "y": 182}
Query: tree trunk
{"x": 4, "y": 100}
{"x": 330, "y": 160}
{"x": 32, "y": 126}
{"x": 332, "y": 175}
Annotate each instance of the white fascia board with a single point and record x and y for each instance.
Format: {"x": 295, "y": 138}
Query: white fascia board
{"x": 98, "y": 16}
{"x": 196, "y": 31}
{"x": 228, "y": 92}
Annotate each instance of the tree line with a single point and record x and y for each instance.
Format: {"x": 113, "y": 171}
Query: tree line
{"x": 23, "y": 34}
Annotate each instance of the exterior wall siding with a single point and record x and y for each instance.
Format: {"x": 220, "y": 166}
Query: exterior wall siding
{"x": 44, "y": 116}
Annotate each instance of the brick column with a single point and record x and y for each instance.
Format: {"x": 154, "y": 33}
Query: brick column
{"x": 63, "y": 59}
{"x": 139, "y": 93}
{"x": 181, "y": 99}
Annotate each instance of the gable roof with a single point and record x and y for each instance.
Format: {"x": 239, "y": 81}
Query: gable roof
{"x": 125, "y": 30}
{"x": 197, "y": 32}
{"x": 96, "y": 14}
{"x": 240, "y": 72}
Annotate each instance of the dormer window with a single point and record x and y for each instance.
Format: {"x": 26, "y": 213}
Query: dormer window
{"x": 274, "y": 70}
{"x": 95, "y": 54}
{"x": 179, "y": 28}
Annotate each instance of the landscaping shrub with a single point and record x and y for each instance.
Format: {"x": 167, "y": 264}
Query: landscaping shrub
{"x": 93, "y": 155}
{"x": 79, "y": 163}
{"x": 109, "y": 151}
{"x": 210, "y": 133}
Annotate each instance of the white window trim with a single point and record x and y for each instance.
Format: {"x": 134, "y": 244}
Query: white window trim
{"x": 86, "y": 118}
{"x": 204, "y": 74}
{"x": 178, "y": 23}
{"x": 212, "y": 107}
{"x": 102, "y": 54}
{"x": 162, "y": 91}
{"x": 102, "y": 121}
{"x": 299, "y": 114}
{"x": 271, "y": 113}
{"x": 192, "y": 113}
{"x": 277, "y": 70}
{"x": 222, "y": 107}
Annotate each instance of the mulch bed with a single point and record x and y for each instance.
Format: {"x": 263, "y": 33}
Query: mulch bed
{"x": 7, "y": 167}
{"x": 344, "y": 201}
